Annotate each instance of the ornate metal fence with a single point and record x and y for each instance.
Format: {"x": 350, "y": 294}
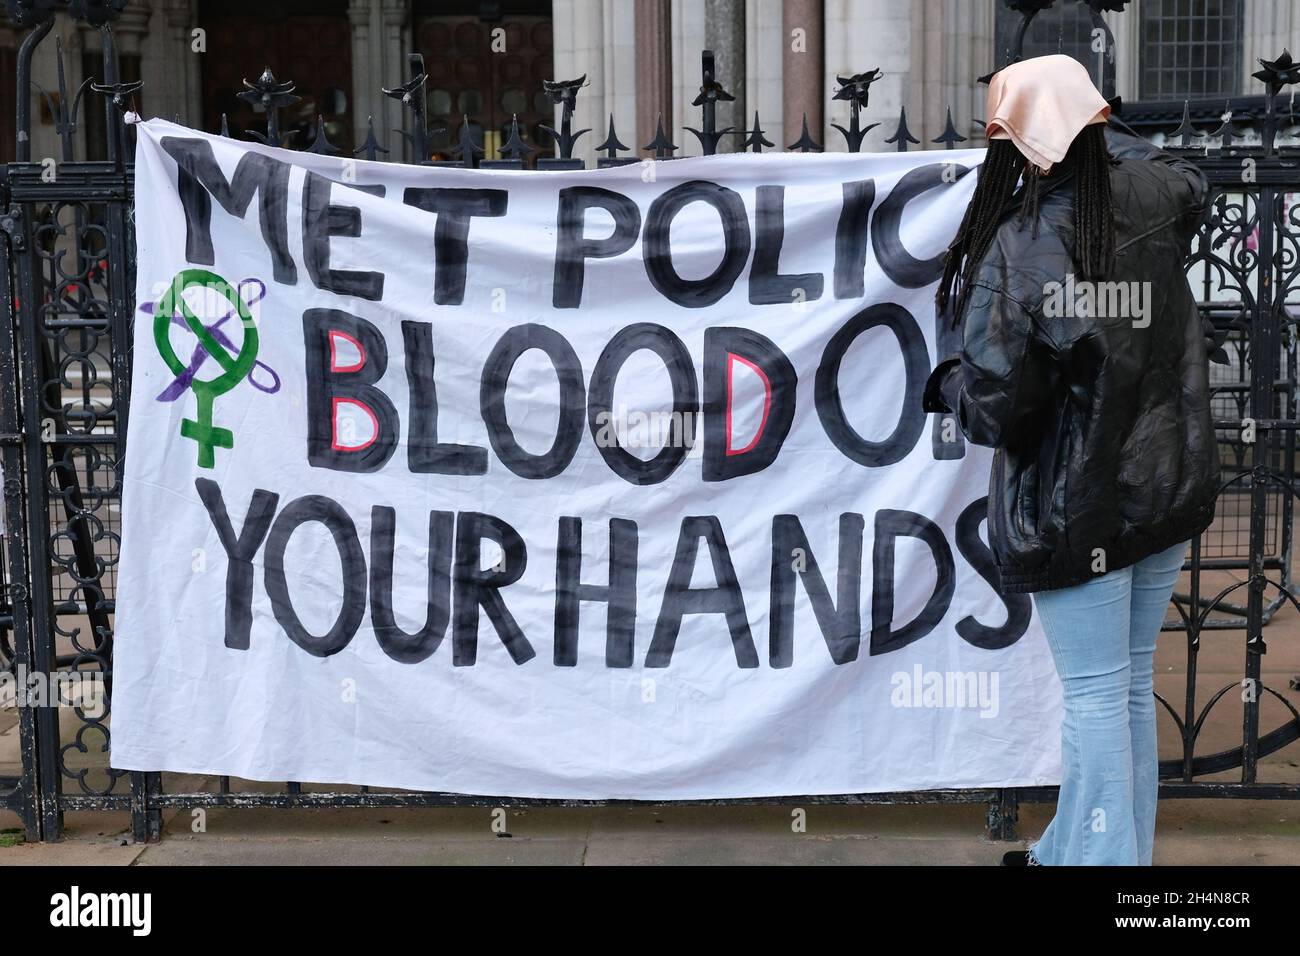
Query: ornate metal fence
{"x": 67, "y": 285}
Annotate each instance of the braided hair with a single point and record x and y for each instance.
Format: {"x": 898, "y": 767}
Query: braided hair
{"x": 1094, "y": 214}
{"x": 1003, "y": 168}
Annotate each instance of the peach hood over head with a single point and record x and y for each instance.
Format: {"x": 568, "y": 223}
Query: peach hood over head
{"x": 1041, "y": 104}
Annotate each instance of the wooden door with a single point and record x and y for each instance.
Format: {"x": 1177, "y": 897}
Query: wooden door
{"x": 467, "y": 76}
{"x": 314, "y": 50}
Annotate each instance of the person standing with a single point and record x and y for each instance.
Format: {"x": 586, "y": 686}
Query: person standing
{"x": 1084, "y": 364}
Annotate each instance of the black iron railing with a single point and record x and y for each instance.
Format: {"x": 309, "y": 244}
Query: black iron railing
{"x": 67, "y": 281}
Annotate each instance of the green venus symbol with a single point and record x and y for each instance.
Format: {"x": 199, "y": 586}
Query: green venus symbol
{"x": 233, "y": 368}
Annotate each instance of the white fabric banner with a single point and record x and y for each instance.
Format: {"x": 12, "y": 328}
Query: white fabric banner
{"x": 590, "y": 484}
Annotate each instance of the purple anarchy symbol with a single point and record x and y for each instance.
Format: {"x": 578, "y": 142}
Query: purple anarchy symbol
{"x": 179, "y": 385}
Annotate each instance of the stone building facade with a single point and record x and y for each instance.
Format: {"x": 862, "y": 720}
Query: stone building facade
{"x": 487, "y": 58}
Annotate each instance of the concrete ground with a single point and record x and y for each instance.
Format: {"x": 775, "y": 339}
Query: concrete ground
{"x": 1204, "y": 831}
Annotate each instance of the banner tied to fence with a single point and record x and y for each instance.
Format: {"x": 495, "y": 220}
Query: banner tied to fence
{"x": 586, "y": 484}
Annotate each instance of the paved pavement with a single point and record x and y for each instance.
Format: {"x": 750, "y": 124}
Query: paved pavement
{"x": 1205, "y": 831}
{"x": 1191, "y": 832}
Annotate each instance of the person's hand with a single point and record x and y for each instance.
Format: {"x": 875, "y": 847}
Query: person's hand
{"x": 1214, "y": 339}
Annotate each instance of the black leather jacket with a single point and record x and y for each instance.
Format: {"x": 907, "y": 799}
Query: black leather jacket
{"x": 1106, "y": 449}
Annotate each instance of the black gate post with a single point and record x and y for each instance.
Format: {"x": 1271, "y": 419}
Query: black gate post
{"x": 146, "y": 821}
{"x": 44, "y": 720}
{"x": 25, "y": 795}
{"x": 1004, "y": 813}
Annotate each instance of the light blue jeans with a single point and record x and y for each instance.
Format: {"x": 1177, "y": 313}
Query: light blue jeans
{"x": 1102, "y": 635}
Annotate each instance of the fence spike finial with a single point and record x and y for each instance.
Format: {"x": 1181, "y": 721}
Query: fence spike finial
{"x": 902, "y": 136}
{"x": 1275, "y": 74}
{"x": 612, "y": 144}
{"x": 1224, "y": 133}
{"x": 661, "y": 144}
{"x": 949, "y": 137}
{"x": 515, "y": 148}
{"x": 271, "y": 95}
{"x": 805, "y": 143}
{"x": 856, "y": 89}
{"x": 65, "y": 121}
{"x": 321, "y": 144}
{"x": 466, "y": 149}
{"x": 411, "y": 94}
{"x": 564, "y": 94}
{"x": 754, "y": 139}
{"x": 371, "y": 146}
{"x": 711, "y": 93}
{"x": 1186, "y": 131}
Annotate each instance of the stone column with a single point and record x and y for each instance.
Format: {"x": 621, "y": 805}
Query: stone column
{"x": 654, "y": 69}
{"x": 130, "y": 28}
{"x": 724, "y": 34}
{"x": 689, "y": 39}
{"x": 622, "y": 67}
{"x": 930, "y": 70}
{"x": 359, "y": 19}
{"x": 971, "y": 96}
{"x": 579, "y": 31}
{"x": 1124, "y": 27}
{"x": 803, "y": 80}
{"x": 952, "y": 46}
{"x": 180, "y": 93}
{"x": 764, "y": 43}
{"x": 390, "y": 43}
